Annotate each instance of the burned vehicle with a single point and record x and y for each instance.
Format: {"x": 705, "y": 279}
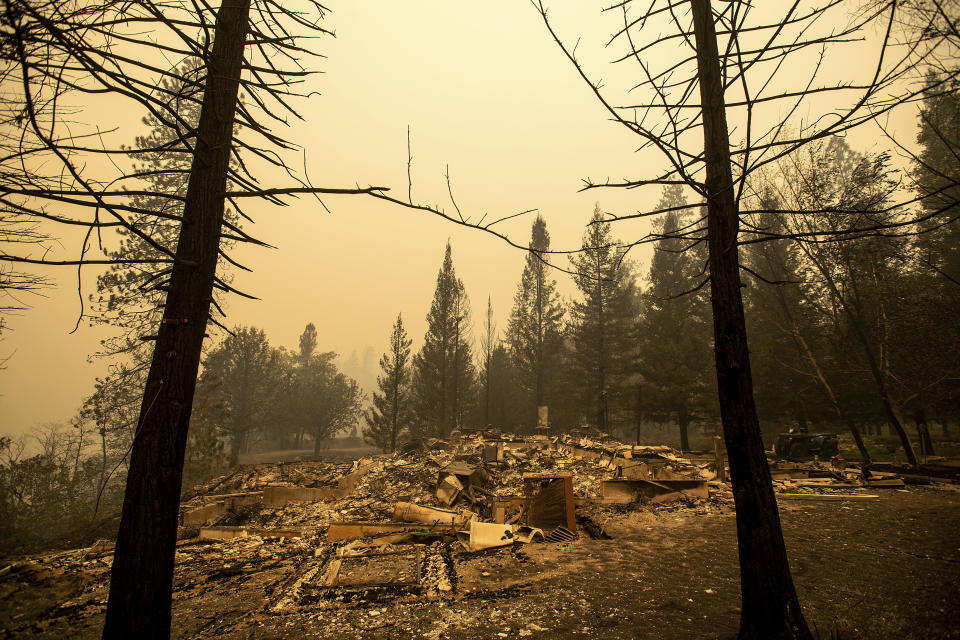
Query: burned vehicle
{"x": 804, "y": 446}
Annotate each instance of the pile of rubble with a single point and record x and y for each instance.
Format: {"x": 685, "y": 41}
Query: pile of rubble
{"x": 435, "y": 522}
{"x": 395, "y": 522}
{"x": 485, "y": 489}
{"x": 448, "y": 487}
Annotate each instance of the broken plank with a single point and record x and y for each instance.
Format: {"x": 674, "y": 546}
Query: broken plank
{"x": 824, "y": 485}
{"x": 333, "y": 571}
{"x": 205, "y": 514}
{"x": 885, "y": 482}
{"x": 339, "y": 531}
{"x": 228, "y": 533}
{"x": 280, "y": 496}
{"x": 827, "y": 496}
{"x": 625, "y": 491}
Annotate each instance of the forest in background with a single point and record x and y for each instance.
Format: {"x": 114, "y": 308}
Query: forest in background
{"x": 833, "y": 329}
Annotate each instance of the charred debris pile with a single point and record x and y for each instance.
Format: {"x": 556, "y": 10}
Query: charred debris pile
{"x": 397, "y": 523}
{"x": 547, "y": 487}
{"x": 418, "y": 524}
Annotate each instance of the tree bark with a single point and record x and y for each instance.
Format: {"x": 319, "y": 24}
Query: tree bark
{"x": 770, "y": 608}
{"x": 142, "y": 575}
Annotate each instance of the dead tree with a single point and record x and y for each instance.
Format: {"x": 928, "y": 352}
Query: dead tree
{"x": 56, "y": 54}
{"x": 156, "y": 462}
{"x": 54, "y": 57}
{"x": 692, "y": 87}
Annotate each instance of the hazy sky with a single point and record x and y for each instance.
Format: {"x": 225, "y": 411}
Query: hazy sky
{"x": 484, "y": 91}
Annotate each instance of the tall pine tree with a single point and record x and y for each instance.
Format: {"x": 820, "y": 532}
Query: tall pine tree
{"x": 936, "y": 174}
{"x": 603, "y": 321}
{"x": 505, "y": 405}
{"x": 129, "y": 297}
{"x": 385, "y": 418}
{"x": 488, "y": 343}
{"x": 443, "y": 371}
{"x": 674, "y": 334}
{"x": 535, "y": 332}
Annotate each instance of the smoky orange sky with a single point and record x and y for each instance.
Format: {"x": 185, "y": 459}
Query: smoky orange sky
{"x": 485, "y": 93}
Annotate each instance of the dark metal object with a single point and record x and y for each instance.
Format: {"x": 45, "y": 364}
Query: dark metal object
{"x": 804, "y": 446}
{"x": 560, "y": 534}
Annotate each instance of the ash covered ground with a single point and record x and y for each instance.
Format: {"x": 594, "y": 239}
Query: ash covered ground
{"x": 869, "y": 560}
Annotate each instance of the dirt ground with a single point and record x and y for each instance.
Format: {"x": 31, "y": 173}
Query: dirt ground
{"x": 884, "y": 568}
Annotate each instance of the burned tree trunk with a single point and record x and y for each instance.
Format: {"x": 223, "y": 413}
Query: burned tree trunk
{"x": 923, "y": 430}
{"x": 770, "y": 608}
{"x": 683, "y": 419}
{"x": 639, "y": 410}
{"x": 601, "y": 372}
{"x": 845, "y": 417}
{"x": 865, "y": 458}
{"x": 142, "y": 575}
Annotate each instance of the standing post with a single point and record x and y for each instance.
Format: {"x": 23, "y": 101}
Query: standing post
{"x": 720, "y": 454}
{"x": 639, "y": 410}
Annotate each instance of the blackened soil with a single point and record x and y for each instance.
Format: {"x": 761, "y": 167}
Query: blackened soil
{"x": 887, "y": 568}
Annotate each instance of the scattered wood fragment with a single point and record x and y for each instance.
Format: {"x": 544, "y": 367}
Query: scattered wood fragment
{"x": 885, "y": 482}
{"x": 827, "y": 496}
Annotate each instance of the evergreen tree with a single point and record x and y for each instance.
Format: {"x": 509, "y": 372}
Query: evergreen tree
{"x": 787, "y": 343}
{"x": 308, "y": 342}
{"x": 246, "y": 373}
{"x": 928, "y": 355}
{"x": 129, "y": 297}
{"x": 311, "y": 395}
{"x": 936, "y": 177}
{"x": 384, "y": 419}
{"x": 296, "y": 383}
{"x": 335, "y": 401}
{"x": 506, "y": 409}
{"x": 674, "y": 335}
{"x": 443, "y": 372}
{"x": 603, "y": 322}
{"x": 488, "y": 343}
{"x": 837, "y": 189}
{"x": 534, "y": 335}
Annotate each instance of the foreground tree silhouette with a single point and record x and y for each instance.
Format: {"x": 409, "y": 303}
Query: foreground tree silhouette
{"x": 65, "y": 174}
{"x": 770, "y": 605}
{"x": 682, "y": 114}
{"x": 55, "y": 54}
{"x": 141, "y": 578}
